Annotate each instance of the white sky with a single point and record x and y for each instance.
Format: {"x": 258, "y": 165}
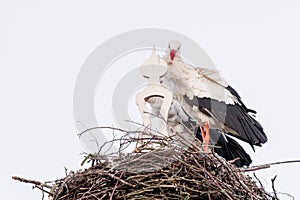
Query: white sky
{"x": 44, "y": 43}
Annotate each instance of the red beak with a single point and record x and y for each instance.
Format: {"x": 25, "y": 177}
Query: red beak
{"x": 172, "y": 54}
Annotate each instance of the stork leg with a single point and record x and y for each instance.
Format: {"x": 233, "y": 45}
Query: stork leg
{"x": 205, "y": 136}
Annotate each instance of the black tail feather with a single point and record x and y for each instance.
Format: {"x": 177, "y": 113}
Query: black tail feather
{"x": 227, "y": 148}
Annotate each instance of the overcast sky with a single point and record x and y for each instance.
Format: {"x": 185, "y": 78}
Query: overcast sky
{"x": 43, "y": 44}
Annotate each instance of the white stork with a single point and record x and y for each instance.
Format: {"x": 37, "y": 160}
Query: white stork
{"x": 208, "y": 100}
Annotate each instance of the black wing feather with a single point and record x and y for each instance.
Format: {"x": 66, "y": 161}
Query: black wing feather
{"x": 227, "y": 148}
{"x": 236, "y": 117}
{"x": 234, "y": 92}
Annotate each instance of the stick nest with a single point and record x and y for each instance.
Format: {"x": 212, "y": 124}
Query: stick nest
{"x": 187, "y": 175}
{"x": 174, "y": 169}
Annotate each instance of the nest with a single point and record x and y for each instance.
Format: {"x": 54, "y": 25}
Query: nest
{"x": 178, "y": 169}
{"x": 188, "y": 174}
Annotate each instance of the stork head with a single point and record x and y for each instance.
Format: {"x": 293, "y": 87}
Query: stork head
{"x": 174, "y": 49}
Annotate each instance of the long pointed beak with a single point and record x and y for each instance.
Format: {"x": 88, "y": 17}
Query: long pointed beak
{"x": 172, "y": 54}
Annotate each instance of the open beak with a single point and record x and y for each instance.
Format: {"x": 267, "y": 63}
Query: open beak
{"x": 172, "y": 54}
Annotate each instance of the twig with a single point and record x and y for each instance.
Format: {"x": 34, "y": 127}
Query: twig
{"x": 285, "y": 162}
{"x": 116, "y": 185}
{"x": 36, "y": 184}
{"x": 119, "y": 179}
{"x": 24, "y": 180}
{"x": 261, "y": 185}
{"x": 273, "y": 187}
{"x": 265, "y": 166}
{"x": 106, "y": 127}
{"x": 287, "y": 194}
{"x": 42, "y": 189}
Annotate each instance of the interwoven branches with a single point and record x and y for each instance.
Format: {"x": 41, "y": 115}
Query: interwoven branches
{"x": 186, "y": 173}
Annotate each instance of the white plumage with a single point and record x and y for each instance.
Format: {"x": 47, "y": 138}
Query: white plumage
{"x": 184, "y": 79}
{"x": 202, "y": 96}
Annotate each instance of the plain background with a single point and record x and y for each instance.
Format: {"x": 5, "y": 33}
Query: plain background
{"x": 44, "y": 43}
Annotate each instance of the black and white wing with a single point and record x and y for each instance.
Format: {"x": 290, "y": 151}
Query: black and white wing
{"x": 206, "y": 96}
{"x": 224, "y": 146}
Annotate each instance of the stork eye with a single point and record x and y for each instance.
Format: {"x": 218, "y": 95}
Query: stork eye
{"x": 178, "y": 48}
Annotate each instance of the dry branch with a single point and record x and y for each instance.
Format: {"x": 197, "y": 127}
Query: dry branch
{"x": 265, "y": 166}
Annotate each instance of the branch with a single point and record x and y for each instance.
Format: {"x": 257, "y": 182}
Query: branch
{"x": 26, "y": 180}
{"x": 273, "y": 187}
{"x": 265, "y": 166}
{"x": 36, "y": 184}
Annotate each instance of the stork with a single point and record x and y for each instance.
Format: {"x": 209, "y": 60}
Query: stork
{"x": 211, "y": 102}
